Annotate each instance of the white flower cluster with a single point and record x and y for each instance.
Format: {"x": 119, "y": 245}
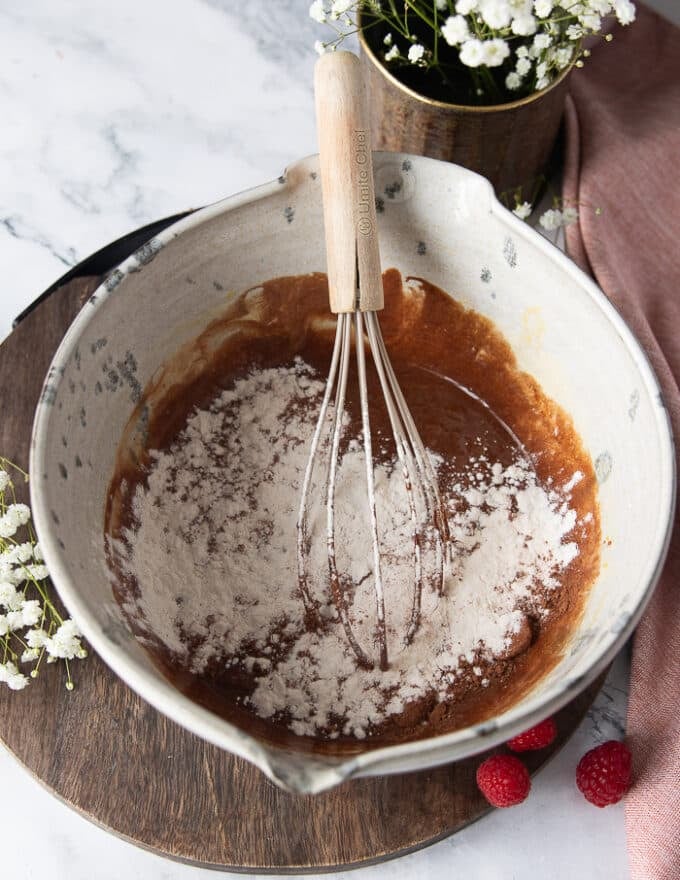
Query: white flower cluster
{"x": 15, "y": 516}
{"x": 538, "y": 39}
{"x": 552, "y": 49}
{"x": 556, "y": 217}
{"x": 551, "y": 219}
{"x": 30, "y": 628}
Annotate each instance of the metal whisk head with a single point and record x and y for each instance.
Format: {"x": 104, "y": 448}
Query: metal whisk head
{"x": 428, "y": 518}
{"x": 356, "y": 294}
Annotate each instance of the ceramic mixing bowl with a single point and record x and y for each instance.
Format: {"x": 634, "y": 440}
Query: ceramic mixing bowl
{"x": 437, "y": 221}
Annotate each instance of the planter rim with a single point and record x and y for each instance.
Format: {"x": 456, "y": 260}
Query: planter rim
{"x": 458, "y": 108}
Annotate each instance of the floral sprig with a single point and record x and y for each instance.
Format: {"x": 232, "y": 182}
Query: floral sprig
{"x": 504, "y": 49}
{"x": 558, "y": 215}
{"x": 31, "y": 627}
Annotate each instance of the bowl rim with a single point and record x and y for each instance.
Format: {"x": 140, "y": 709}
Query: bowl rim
{"x": 298, "y": 771}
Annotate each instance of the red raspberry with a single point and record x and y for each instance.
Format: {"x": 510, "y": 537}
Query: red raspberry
{"x": 537, "y": 737}
{"x": 603, "y": 773}
{"x": 503, "y": 780}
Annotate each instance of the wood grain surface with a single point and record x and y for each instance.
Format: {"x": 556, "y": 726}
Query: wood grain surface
{"x": 121, "y": 764}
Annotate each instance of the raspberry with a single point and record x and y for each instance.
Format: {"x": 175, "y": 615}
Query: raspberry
{"x": 503, "y": 780}
{"x": 537, "y": 737}
{"x": 603, "y": 773}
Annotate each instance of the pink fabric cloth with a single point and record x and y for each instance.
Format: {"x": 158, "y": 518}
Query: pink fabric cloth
{"x": 623, "y": 156}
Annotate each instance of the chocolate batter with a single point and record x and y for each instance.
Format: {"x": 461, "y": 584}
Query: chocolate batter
{"x": 438, "y": 349}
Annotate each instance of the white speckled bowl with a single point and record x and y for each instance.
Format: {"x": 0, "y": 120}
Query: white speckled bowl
{"x": 437, "y": 221}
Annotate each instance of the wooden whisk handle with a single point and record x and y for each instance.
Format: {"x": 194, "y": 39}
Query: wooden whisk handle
{"x": 352, "y": 253}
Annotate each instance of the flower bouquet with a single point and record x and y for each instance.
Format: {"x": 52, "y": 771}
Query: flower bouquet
{"x": 473, "y": 52}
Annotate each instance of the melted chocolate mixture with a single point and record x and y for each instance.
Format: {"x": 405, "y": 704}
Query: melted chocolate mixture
{"x": 437, "y": 348}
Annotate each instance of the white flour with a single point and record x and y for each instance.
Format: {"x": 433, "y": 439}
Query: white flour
{"x": 214, "y": 554}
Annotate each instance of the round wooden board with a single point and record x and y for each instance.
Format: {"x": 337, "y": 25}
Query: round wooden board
{"x": 121, "y": 764}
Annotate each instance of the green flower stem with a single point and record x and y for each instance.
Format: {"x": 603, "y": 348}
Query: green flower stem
{"x": 401, "y": 28}
{"x": 36, "y": 668}
{"x": 46, "y": 599}
{"x": 435, "y": 49}
{"x": 413, "y": 6}
{"x": 6, "y": 464}
{"x": 69, "y": 679}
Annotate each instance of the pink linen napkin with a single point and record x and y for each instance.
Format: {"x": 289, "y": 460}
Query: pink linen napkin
{"x": 623, "y": 156}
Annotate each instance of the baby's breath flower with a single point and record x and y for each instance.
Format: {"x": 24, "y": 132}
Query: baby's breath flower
{"x": 8, "y": 574}
{"x": 18, "y": 553}
{"x": 30, "y": 655}
{"x": 522, "y": 210}
{"x": 520, "y": 7}
{"x": 523, "y": 66}
{"x": 36, "y": 638}
{"x": 8, "y": 526}
{"x": 543, "y": 8}
{"x": 15, "y": 620}
{"x": 388, "y": 39}
{"x": 37, "y": 572}
{"x": 569, "y": 215}
{"x": 455, "y": 30}
{"x": 30, "y": 625}
{"x": 14, "y": 517}
{"x": 31, "y": 612}
{"x": 590, "y": 21}
{"x": 551, "y": 219}
{"x": 340, "y": 7}
{"x": 472, "y": 53}
{"x": 317, "y": 12}
{"x": 8, "y": 594}
{"x": 65, "y": 643}
{"x": 392, "y": 54}
{"x": 541, "y": 41}
{"x": 442, "y": 5}
{"x": 319, "y": 47}
{"x": 465, "y": 7}
{"x": 513, "y": 81}
{"x": 11, "y": 676}
{"x": 10, "y": 597}
{"x": 495, "y": 52}
{"x": 541, "y": 69}
{"x": 524, "y": 25}
{"x": 22, "y": 513}
{"x": 542, "y": 83}
{"x": 415, "y": 53}
{"x": 574, "y": 32}
{"x": 625, "y": 11}
{"x": 496, "y": 13}
{"x": 563, "y": 57}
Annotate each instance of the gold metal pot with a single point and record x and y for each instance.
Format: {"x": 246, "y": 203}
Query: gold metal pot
{"x": 509, "y": 144}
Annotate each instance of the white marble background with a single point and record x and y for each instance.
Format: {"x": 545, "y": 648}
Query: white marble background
{"x": 116, "y": 114}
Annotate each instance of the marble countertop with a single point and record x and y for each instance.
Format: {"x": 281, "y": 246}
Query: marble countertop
{"x": 115, "y": 115}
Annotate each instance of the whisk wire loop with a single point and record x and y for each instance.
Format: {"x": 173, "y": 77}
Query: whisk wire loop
{"x": 427, "y": 516}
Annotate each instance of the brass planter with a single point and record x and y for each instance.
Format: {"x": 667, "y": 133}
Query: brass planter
{"x": 509, "y": 144}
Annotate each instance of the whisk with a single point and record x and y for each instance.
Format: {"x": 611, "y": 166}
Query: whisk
{"x": 356, "y": 295}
